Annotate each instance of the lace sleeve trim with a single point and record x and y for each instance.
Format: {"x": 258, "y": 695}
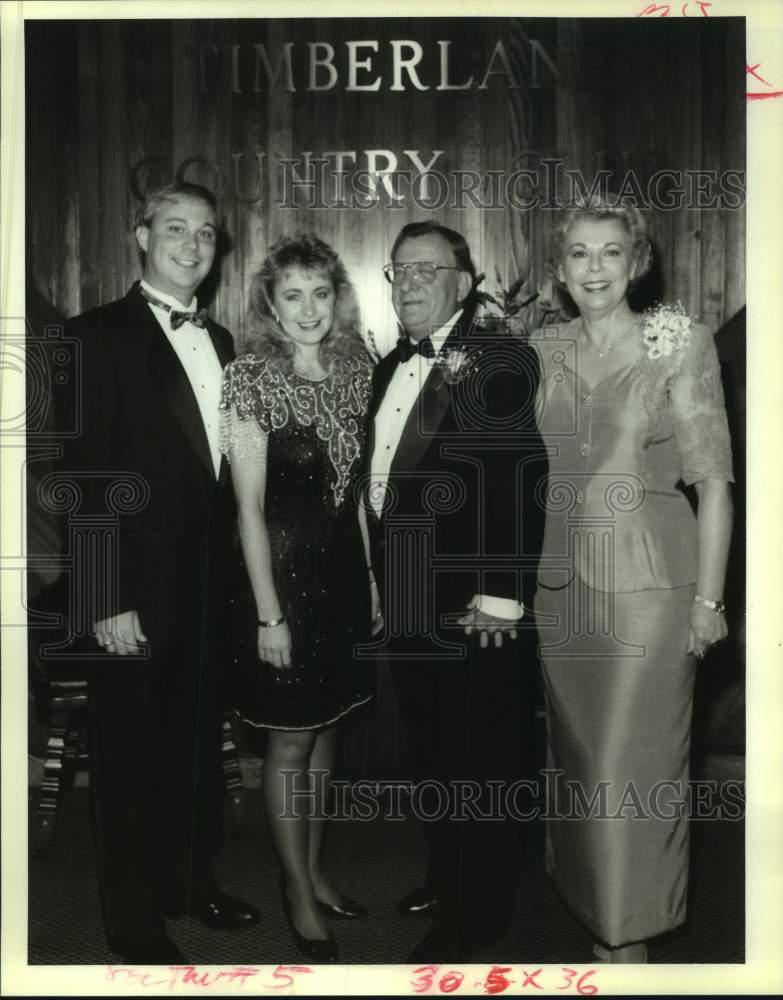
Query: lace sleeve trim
{"x": 685, "y": 384}
{"x": 695, "y": 393}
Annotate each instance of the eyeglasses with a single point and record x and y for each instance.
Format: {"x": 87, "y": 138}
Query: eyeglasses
{"x": 423, "y": 271}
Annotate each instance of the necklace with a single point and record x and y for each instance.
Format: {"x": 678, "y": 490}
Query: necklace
{"x": 607, "y": 350}
{"x": 311, "y": 377}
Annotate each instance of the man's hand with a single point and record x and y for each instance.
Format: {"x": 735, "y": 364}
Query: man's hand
{"x": 120, "y": 634}
{"x": 487, "y": 625}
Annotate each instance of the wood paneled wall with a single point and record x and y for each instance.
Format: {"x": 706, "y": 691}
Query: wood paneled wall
{"x": 111, "y": 99}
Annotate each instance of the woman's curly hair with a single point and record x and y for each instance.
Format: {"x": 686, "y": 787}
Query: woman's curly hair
{"x": 265, "y": 337}
{"x": 597, "y": 207}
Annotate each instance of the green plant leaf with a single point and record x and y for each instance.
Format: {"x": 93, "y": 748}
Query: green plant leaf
{"x": 515, "y": 288}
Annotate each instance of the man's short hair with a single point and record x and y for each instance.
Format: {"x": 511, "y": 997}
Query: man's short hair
{"x": 152, "y": 204}
{"x": 456, "y": 240}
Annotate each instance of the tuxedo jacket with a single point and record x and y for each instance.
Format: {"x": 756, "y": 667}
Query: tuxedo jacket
{"x": 142, "y": 464}
{"x": 461, "y": 514}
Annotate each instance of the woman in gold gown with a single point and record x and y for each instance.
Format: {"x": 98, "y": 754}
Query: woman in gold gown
{"x": 631, "y": 580}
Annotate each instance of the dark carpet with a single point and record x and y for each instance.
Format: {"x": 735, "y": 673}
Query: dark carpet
{"x": 374, "y": 862}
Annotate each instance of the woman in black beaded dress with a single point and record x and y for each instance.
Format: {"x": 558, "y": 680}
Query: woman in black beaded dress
{"x": 292, "y": 417}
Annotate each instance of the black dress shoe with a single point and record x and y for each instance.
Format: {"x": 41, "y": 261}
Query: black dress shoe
{"x": 346, "y": 909}
{"x": 418, "y": 903}
{"x": 156, "y": 953}
{"x": 224, "y": 913}
{"x": 320, "y": 951}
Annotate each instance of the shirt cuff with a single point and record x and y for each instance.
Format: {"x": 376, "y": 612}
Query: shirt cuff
{"x": 500, "y": 607}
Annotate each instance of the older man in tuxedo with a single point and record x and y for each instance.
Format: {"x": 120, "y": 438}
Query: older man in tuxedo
{"x": 147, "y": 448}
{"x": 455, "y": 532}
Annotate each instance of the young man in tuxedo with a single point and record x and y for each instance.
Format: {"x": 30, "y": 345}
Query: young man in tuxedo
{"x": 455, "y": 529}
{"x": 154, "y": 603}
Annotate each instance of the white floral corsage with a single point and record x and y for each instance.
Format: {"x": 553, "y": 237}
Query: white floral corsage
{"x": 454, "y": 365}
{"x": 666, "y": 329}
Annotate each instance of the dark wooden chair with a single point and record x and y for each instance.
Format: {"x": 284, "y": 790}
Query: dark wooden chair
{"x": 62, "y": 703}
{"x": 66, "y": 752}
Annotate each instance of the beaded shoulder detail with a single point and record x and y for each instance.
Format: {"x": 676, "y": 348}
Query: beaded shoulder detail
{"x": 261, "y": 391}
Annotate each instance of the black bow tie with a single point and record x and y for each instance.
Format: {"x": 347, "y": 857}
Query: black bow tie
{"x": 177, "y": 316}
{"x": 406, "y": 349}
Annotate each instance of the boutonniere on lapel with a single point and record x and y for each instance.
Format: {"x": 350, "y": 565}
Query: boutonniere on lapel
{"x": 455, "y": 364}
{"x": 666, "y": 329}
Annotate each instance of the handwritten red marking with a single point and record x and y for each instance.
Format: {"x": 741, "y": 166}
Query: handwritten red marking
{"x": 192, "y": 975}
{"x": 286, "y": 972}
{"x": 497, "y": 981}
{"x": 426, "y": 974}
{"x": 755, "y": 95}
{"x": 451, "y": 981}
{"x": 133, "y": 976}
{"x": 663, "y": 9}
{"x": 530, "y": 978}
{"x": 189, "y": 974}
{"x": 583, "y": 988}
{"x": 752, "y": 71}
{"x": 569, "y": 978}
{"x": 653, "y": 8}
{"x": 243, "y": 973}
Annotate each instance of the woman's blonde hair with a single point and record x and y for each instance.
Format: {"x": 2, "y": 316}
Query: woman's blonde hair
{"x": 597, "y": 207}
{"x": 264, "y": 335}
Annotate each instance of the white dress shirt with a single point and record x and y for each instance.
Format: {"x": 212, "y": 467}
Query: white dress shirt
{"x": 198, "y": 357}
{"x": 396, "y": 406}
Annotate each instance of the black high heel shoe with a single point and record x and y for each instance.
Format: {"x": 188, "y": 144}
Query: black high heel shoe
{"x": 319, "y": 951}
{"x": 346, "y": 909}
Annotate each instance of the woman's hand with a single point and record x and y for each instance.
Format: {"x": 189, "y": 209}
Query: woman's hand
{"x": 376, "y": 613}
{"x": 274, "y": 645}
{"x": 706, "y": 628}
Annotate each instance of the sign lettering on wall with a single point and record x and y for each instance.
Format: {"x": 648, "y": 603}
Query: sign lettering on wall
{"x": 360, "y": 68}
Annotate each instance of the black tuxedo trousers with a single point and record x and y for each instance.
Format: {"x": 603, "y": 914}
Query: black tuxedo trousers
{"x": 468, "y": 726}
{"x": 461, "y": 518}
